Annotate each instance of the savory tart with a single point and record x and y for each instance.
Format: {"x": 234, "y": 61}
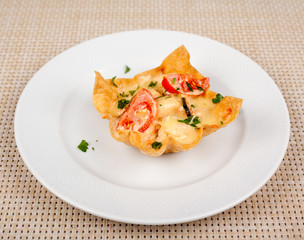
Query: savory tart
{"x": 166, "y": 109}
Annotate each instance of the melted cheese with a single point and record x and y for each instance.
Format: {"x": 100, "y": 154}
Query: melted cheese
{"x": 179, "y": 132}
{"x": 203, "y": 109}
{"x": 167, "y": 106}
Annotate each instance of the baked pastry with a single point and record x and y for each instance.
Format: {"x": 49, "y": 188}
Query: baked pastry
{"x": 166, "y": 109}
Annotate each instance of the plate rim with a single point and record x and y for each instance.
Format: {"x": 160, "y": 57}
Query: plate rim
{"x": 134, "y": 221}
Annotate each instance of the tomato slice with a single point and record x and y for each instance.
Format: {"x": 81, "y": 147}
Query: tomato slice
{"x": 140, "y": 113}
{"x": 185, "y": 84}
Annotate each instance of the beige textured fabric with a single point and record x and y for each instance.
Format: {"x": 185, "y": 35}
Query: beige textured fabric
{"x": 269, "y": 32}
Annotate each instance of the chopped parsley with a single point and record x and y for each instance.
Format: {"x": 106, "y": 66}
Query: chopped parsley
{"x": 174, "y": 80}
{"x": 124, "y": 95}
{"x": 93, "y": 148}
{"x": 177, "y": 89}
{"x": 159, "y": 96}
{"x": 127, "y": 69}
{"x": 168, "y": 97}
{"x": 152, "y": 84}
{"x": 160, "y": 105}
{"x": 157, "y": 145}
{"x": 83, "y": 146}
{"x": 200, "y": 88}
{"x": 217, "y": 98}
{"x": 192, "y": 106}
{"x": 122, "y": 103}
{"x": 189, "y": 86}
{"x": 222, "y": 123}
{"x": 113, "y": 78}
{"x": 192, "y": 121}
{"x": 133, "y": 91}
{"x": 96, "y": 140}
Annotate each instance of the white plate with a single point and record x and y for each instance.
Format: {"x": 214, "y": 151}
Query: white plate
{"x": 55, "y": 112}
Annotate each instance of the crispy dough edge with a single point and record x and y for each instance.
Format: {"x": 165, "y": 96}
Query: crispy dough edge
{"x": 103, "y": 95}
{"x": 228, "y": 110}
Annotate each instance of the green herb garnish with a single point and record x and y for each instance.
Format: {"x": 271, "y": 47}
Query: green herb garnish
{"x": 152, "y": 84}
{"x": 167, "y": 97}
{"x": 122, "y": 103}
{"x": 160, "y": 104}
{"x": 159, "y": 96}
{"x": 83, "y": 146}
{"x": 192, "y": 106}
{"x": 96, "y": 140}
{"x": 174, "y": 80}
{"x": 217, "y": 98}
{"x": 133, "y": 91}
{"x": 93, "y": 148}
{"x": 127, "y": 69}
{"x": 177, "y": 89}
{"x": 124, "y": 95}
{"x": 113, "y": 78}
{"x": 222, "y": 123}
{"x": 157, "y": 145}
{"x": 189, "y": 86}
{"x": 200, "y": 88}
{"x": 192, "y": 121}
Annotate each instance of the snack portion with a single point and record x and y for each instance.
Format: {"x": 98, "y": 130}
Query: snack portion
{"x": 166, "y": 109}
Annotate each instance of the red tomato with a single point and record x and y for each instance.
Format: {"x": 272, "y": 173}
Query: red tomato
{"x": 140, "y": 113}
{"x": 185, "y": 84}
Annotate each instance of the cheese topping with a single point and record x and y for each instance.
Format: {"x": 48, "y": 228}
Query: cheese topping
{"x": 180, "y": 132}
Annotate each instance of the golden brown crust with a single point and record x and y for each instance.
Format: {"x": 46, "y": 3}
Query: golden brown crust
{"x": 226, "y": 110}
{"x": 173, "y": 139}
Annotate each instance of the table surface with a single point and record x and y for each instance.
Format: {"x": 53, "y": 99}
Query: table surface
{"x": 269, "y": 32}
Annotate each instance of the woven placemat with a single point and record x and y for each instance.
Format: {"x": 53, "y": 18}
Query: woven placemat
{"x": 269, "y": 32}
